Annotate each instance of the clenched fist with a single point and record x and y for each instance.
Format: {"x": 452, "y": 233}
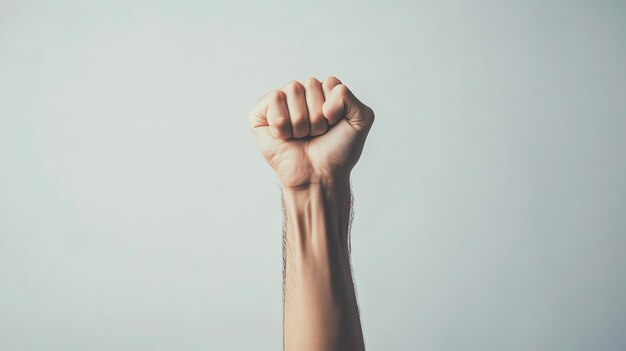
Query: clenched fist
{"x": 311, "y": 132}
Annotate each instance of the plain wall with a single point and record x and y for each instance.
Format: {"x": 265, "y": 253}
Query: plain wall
{"x": 137, "y": 214}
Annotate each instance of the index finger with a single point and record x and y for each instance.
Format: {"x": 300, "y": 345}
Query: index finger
{"x": 272, "y": 111}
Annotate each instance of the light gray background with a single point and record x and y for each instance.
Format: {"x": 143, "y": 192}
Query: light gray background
{"x": 137, "y": 214}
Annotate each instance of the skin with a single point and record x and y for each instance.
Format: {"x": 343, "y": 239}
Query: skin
{"x": 312, "y": 134}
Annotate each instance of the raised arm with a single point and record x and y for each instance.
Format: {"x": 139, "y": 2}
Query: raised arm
{"x": 312, "y": 134}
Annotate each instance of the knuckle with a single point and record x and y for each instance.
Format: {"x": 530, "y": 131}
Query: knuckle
{"x": 276, "y": 96}
{"x": 332, "y": 80}
{"x": 281, "y": 121}
{"x": 342, "y": 91}
{"x": 293, "y": 87}
{"x": 316, "y": 117}
{"x": 299, "y": 118}
{"x": 311, "y": 82}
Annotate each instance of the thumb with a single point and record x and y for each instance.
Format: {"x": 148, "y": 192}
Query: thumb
{"x": 341, "y": 103}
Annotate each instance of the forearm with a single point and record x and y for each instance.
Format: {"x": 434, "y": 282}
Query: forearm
{"x": 320, "y": 307}
{"x": 306, "y": 132}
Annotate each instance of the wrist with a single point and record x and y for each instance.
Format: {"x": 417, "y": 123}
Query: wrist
{"x": 338, "y": 182}
{"x": 318, "y": 212}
